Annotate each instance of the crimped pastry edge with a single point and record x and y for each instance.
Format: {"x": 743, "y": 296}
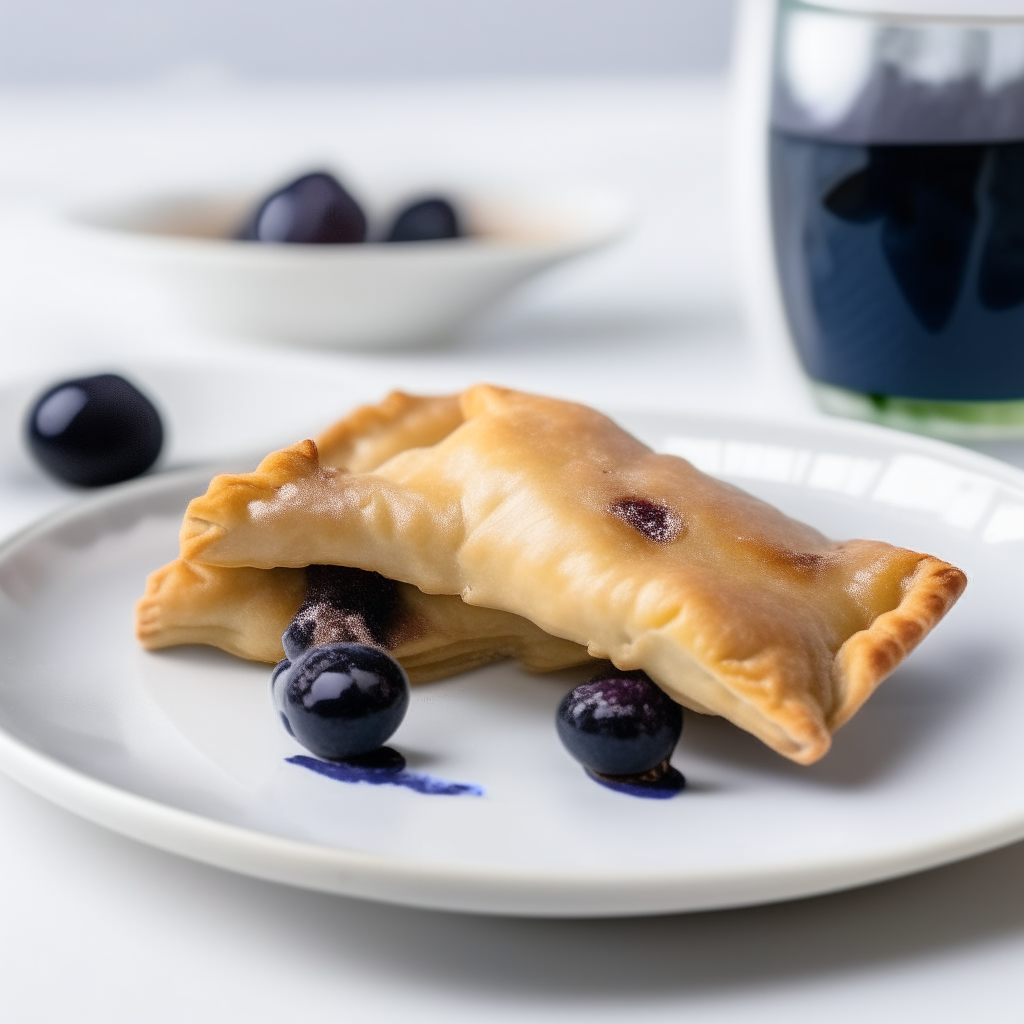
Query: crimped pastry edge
{"x": 869, "y": 656}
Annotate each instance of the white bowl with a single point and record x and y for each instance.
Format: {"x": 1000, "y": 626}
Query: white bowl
{"x": 372, "y": 294}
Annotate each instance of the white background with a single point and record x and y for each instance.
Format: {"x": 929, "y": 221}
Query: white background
{"x": 79, "y": 41}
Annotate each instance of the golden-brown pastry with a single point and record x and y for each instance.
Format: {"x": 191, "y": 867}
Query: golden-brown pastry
{"x": 549, "y": 511}
{"x": 245, "y": 611}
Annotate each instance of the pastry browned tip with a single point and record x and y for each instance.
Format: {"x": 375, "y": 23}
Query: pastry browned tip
{"x": 868, "y": 657}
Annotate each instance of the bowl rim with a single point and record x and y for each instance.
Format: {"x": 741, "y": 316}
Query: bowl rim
{"x": 597, "y": 216}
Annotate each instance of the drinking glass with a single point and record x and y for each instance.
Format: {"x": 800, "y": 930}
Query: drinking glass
{"x": 896, "y": 166}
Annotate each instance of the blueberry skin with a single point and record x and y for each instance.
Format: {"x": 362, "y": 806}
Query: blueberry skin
{"x": 620, "y": 723}
{"x": 343, "y": 700}
{"x": 92, "y": 431}
{"x": 278, "y": 678}
{"x": 311, "y": 210}
{"x": 425, "y": 221}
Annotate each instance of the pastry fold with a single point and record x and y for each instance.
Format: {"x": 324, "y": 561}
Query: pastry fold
{"x": 548, "y": 511}
{"x": 244, "y": 611}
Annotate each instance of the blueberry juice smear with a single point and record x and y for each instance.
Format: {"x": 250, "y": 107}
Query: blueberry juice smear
{"x": 623, "y": 728}
{"x": 384, "y": 767}
{"x": 93, "y": 431}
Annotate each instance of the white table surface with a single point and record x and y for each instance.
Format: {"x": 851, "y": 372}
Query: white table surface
{"x": 94, "y": 927}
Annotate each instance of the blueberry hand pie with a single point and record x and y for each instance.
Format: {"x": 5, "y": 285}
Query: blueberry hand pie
{"x": 547, "y": 511}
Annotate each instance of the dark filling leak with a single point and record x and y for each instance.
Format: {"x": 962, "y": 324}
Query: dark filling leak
{"x": 660, "y": 783}
{"x": 656, "y": 522}
{"x": 344, "y": 605}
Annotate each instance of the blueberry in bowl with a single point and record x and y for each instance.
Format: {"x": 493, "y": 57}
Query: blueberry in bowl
{"x": 341, "y": 701}
{"x": 314, "y": 209}
{"x": 427, "y": 220}
{"x": 622, "y": 728}
{"x": 92, "y": 431}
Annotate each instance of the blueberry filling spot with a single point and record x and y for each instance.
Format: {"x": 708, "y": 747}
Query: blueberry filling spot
{"x": 656, "y": 522}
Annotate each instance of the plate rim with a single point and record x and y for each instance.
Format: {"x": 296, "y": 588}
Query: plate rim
{"x": 440, "y": 885}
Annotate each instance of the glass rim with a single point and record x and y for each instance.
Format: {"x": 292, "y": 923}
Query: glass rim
{"x": 966, "y": 12}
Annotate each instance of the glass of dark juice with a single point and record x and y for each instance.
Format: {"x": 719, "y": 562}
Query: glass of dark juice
{"x": 897, "y": 192}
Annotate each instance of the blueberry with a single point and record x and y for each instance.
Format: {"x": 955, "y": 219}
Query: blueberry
{"x": 277, "y": 680}
{"x": 620, "y": 723}
{"x": 94, "y": 430}
{"x": 344, "y": 700}
{"x": 425, "y": 221}
{"x": 313, "y": 209}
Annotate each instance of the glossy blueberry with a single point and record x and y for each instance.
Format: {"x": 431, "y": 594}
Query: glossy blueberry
{"x": 278, "y": 678}
{"x": 344, "y": 700}
{"x": 425, "y": 221}
{"x": 313, "y": 209}
{"x": 94, "y": 430}
{"x": 619, "y": 724}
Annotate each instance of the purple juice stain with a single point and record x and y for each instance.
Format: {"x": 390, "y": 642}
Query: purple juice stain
{"x": 665, "y": 787}
{"x": 384, "y": 767}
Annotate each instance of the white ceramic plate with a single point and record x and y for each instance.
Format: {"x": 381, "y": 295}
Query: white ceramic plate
{"x": 181, "y": 749}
